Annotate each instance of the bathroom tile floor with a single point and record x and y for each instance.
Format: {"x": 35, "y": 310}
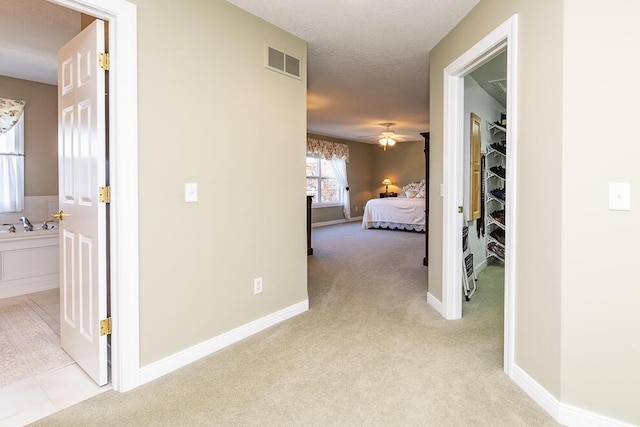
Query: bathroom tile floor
{"x": 26, "y": 401}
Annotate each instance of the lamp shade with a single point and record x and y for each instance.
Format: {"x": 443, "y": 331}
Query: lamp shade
{"x": 386, "y": 181}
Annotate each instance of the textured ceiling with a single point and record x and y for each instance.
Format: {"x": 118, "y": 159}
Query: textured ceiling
{"x": 31, "y": 32}
{"x": 368, "y": 60}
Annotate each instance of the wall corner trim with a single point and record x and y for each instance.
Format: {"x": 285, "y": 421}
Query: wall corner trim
{"x": 178, "y": 360}
{"x": 563, "y": 413}
{"x": 434, "y": 302}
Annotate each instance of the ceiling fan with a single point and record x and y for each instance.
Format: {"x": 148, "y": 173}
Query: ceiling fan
{"x": 386, "y": 137}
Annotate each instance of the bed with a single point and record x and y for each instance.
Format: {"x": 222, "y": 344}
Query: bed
{"x": 405, "y": 212}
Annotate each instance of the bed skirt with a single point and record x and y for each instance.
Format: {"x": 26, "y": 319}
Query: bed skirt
{"x": 394, "y": 226}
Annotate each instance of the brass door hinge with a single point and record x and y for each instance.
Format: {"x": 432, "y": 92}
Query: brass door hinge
{"x": 104, "y": 61}
{"x": 105, "y": 194}
{"x": 105, "y": 326}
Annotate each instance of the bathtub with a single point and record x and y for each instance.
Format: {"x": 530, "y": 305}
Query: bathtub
{"x": 28, "y": 260}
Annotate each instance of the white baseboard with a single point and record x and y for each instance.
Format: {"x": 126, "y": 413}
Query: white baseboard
{"x": 13, "y": 288}
{"x": 563, "y": 413}
{"x": 178, "y": 360}
{"x": 539, "y": 394}
{"x": 435, "y": 303}
{"x": 335, "y": 221}
{"x": 481, "y": 266}
{"x": 325, "y": 223}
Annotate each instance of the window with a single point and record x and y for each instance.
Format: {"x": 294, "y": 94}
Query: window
{"x": 322, "y": 183}
{"x": 12, "y": 168}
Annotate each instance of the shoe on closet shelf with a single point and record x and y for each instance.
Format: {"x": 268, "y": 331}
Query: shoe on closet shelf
{"x": 498, "y": 216}
{"x": 498, "y": 234}
{"x": 499, "y": 170}
{"x": 499, "y": 193}
{"x": 500, "y": 147}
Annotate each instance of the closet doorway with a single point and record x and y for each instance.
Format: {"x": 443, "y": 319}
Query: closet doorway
{"x": 502, "y": 38}
{"x": 484, "y": 167}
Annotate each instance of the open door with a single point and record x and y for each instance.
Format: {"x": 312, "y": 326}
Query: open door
{"x": 81, "y": 171}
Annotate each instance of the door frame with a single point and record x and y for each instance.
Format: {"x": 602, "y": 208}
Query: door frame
{"x": 123, "y": 173}
{"x": 505, "y": 36}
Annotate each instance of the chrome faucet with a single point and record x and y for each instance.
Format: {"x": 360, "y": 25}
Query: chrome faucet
{"x": 45, "y": 225}
{"x": 12, "y": 228}
{"x": 26, "y": 223}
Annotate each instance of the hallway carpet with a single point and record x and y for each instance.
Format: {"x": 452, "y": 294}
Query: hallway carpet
{"x": 370, "y": 352}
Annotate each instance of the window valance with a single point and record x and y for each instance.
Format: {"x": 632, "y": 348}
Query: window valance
{"x": 10, "y": 112}
{"x": 328, "y": 149}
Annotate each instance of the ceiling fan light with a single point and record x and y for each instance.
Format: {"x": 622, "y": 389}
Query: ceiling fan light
{"x": 383, "y": 142}
{"x": 391, "y": 142}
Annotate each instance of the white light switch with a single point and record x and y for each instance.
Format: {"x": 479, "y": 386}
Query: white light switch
{"x": 619, "y": 196}
{"x": 191, "y": 192}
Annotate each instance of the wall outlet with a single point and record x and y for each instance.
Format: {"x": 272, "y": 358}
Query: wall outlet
{"x": 257, "y": 285}
{"x": 356, "y": 209}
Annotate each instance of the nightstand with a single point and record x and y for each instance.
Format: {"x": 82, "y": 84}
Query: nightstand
{"x": 390, "y": 194}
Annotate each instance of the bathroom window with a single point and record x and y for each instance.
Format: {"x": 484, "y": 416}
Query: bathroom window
{"x": 12, "y": 168}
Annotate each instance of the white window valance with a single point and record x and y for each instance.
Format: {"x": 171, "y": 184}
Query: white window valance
{"x": 10, "y": 112}
{"x": 328, "y": 149}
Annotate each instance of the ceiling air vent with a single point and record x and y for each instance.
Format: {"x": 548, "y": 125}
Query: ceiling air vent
{"x": 283, "y": 63}
{"x": 500, "y": 84}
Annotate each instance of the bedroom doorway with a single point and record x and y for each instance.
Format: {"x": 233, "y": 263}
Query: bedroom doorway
{"x": 503, "y": 37}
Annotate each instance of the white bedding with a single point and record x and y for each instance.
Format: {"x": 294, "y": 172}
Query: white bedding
{"x": 395, "y": 213}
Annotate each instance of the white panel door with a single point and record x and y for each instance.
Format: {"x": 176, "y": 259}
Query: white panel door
{"x": 81, "y": 171}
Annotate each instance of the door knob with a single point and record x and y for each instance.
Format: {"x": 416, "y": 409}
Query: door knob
{"x": 59, "y": 216}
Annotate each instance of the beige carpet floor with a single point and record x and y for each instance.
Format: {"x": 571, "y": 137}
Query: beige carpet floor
{"x": 28, "y": 345}
{"x": 370, "y": 352}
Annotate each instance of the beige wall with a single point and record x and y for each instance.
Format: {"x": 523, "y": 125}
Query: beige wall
{"x": 600, "y": 284}
{"x": 402, "y": 164}
{"x": 40, "y": 133}
{"x": 576, "y": 287}
{"x": 209, "y": 112}
{"x": 538, "y": 284}
{"x": 325, "y": 214}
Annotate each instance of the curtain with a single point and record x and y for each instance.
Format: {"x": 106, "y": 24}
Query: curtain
{"x": 12, "y": 168}
{"x": 338, "y": 155}
{"x": 340, "y": 169}
{"x": 328, "y": 149}
{"x": 10, "y": 112}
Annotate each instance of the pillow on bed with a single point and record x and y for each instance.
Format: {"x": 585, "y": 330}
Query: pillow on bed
{"x": 416, "y": 187}
{"x": 410, "y": 194}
